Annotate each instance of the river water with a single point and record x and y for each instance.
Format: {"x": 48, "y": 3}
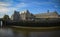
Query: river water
{"x": 9, "y": 32}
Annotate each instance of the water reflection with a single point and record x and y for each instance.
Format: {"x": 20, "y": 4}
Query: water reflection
{"x": 8, "y": 32}
{"x": 45, "y": 34}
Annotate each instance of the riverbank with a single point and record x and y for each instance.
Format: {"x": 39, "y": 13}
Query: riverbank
{"x": 36, "y": 28}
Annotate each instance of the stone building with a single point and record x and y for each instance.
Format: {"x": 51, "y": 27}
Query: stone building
{"x": 24, "y": 15}
{"x": 47, "y": 15}
{"x": 15, "y": 16}
{"x": 27, "y": 16}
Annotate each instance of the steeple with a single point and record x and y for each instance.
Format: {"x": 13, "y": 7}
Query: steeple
{"x": 47, "y": 11}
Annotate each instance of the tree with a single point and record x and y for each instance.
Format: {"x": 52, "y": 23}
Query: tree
{"x": 5, "y": 17}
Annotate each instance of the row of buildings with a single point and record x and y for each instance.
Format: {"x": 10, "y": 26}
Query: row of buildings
{"x": 27, "y": 16}
{"x": 24, "y": 15}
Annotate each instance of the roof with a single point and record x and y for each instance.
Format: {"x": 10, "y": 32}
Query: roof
{"x": 25, "y": 11}
{"x": 50, "y": 13}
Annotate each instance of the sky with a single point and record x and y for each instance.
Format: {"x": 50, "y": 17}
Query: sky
{"x": 34, "y": 6}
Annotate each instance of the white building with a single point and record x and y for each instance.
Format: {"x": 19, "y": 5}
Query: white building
{"x": 24, "y": 15}
{"x": 27, "y": 16}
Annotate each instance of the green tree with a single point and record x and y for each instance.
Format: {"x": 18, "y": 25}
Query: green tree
{"x": 5, "y": 17}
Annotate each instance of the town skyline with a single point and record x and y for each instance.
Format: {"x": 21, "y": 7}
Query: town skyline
{"x": 34, "y": 6}
{"x": 29, "y": 12}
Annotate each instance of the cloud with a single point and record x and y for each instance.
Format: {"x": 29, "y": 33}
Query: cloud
{"x": 8, "y": 1}
{"x": 8, "y": 7}
{"x": 19, "y": 5}
{"x": 56, "y": 6}
{"x": 4, "y": 7}
{"x": 5, "y": 10}
{"x": 5, "y": 4}
{"x": 1, "y": 16}
{"x": 41, "y": 3}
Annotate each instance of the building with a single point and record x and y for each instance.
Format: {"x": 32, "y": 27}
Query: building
{"x": 46, "y": 16}
{"x": 15, "y": 16}
{"x": 24, "y": 15}
{"x": 27, "y": 16}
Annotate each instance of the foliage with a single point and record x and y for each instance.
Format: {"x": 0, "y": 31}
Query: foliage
{"x": 33, "y": 24}
{"x": 5, "y": 17}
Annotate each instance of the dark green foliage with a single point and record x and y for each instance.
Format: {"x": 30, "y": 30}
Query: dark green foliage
{"x": 33, "y": 24}
{"x": 5, "y": 17}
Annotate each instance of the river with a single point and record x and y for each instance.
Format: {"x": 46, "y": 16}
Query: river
{"x": 9, "y": 32}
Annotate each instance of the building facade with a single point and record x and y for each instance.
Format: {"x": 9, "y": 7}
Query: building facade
{"x": 47, "y": 15}
{"x": 27, "y": 16}
{"x": 15, "y": 16}
{"x": 22, "y": 16}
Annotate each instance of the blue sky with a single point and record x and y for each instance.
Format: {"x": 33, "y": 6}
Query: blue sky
{"x": 34, "y": 6}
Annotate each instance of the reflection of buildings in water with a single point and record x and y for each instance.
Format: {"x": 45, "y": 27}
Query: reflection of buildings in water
{"x": 1, "y": 22}
{"x": 6, "y": 32}
{"x": 22, "y": 33}
{"x": 18, "y": 34}
{"x": 27, "y": 16}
